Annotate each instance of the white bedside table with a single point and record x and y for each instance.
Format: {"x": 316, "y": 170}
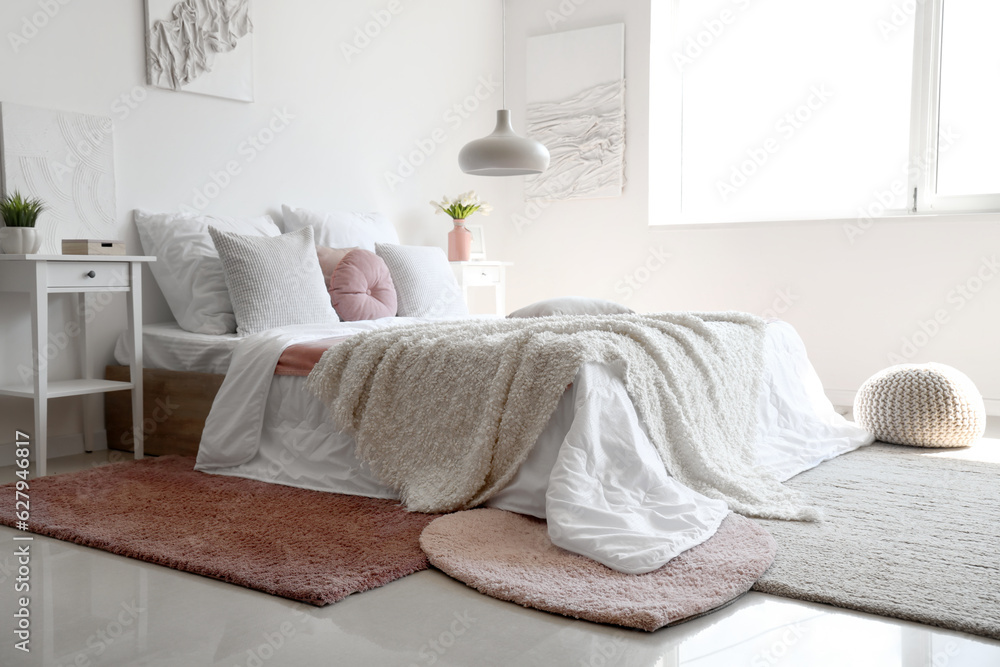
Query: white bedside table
{"x": 41, "y": 275}
{"x": 484, "y": 274}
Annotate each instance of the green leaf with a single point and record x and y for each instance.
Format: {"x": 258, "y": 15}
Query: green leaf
{"x": 18, "y": 211}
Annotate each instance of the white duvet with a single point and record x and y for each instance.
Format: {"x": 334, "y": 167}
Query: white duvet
{"x": 593, "y": 474}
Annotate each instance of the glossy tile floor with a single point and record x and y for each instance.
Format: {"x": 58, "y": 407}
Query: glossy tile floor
{"x": 89, "y": 607}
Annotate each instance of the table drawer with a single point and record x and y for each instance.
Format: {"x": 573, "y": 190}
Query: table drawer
{"x": 77, "y": 274}
{"x": 482, "y": 275}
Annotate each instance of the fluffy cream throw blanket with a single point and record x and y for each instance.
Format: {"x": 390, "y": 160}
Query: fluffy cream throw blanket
{"x": 445, "y": 413}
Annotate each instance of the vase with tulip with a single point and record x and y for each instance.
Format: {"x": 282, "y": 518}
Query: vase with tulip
{"x": 460, "y": 208}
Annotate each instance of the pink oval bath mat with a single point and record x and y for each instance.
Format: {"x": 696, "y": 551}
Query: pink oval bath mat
{"x": 510, "y": 557}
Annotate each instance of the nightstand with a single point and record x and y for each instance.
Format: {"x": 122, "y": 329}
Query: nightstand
{"x": 42, "y": 275}
{"x": 483, "y": 274}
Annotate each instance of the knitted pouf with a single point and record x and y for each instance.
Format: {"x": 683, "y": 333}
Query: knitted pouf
{"x": 924, "y": 405}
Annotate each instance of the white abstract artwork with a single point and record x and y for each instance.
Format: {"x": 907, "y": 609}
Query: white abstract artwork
{"x": 576, "y": 108}
{"x": 68, "y": 161}
{"x": 200, "y": 46}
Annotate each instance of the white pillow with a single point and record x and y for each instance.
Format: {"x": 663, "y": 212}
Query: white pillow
{"x": 425, "y": 284}
{"x": 274, "y": 282}
{"x": 341, "y": 229}
{"x": 572, "y": 305}
{"x": 187, "y": 266}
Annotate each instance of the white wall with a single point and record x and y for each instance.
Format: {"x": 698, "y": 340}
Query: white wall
{"x": 853, "y": 303}
{"x": 353, "y": 121}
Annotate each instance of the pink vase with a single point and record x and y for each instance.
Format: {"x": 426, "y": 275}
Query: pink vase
{"x": 459, "y": 243}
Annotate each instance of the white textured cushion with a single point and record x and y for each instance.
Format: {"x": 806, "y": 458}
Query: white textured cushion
{"x": 572, "y": 305}
{"x": 274, "y": 282}
{"x": 187, "y": 266}
{"x": 425, "y": 284}
{"x": 923, "y": 405}
{"x": 341, "y": 229}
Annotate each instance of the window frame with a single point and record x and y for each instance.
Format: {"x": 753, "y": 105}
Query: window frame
{"x": 666, "y": 132}
{"x": 925, "y": 121}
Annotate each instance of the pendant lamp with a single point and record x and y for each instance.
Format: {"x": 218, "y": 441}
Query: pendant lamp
{"x": 503, "y": 153}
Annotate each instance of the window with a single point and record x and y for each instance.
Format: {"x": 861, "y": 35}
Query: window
{"x": 966, "y": 96}
{"x": 803, "y": 110}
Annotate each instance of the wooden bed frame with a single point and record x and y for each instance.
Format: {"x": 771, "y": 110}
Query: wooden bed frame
{"x": 175, "y": 407}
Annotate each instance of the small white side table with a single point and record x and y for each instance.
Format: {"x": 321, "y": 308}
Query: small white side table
{"x": 484, "y": 274}
{"x": 42, "y": 275}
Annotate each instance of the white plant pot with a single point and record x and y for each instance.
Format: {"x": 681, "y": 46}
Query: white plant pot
{"x": 20, "y": 240}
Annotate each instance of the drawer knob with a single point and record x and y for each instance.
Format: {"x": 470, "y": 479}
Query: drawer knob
{"x": 91, "y": 274}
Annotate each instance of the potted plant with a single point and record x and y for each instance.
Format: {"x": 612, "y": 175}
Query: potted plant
{"x": 19, "y": 215}
{"x": 460, "y": 238}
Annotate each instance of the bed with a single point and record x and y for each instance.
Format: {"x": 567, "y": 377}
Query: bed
{"x": 299, "y": 445}
{"x": 592, "y": 472}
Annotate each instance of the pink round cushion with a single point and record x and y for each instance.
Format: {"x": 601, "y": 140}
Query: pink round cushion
{"x": 361, "y": 287}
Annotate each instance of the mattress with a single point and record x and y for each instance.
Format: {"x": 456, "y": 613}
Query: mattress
{"x": 168, "y": 347}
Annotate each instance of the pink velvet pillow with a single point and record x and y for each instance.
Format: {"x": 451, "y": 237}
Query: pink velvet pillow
{"x": 361, "y": 287}
{"x": 329, "y": 258}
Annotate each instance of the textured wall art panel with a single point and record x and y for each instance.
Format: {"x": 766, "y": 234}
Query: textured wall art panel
{"x": 68, "y": 161}
{"x": 576, "y": 107}
{"x": 200, "y": 46}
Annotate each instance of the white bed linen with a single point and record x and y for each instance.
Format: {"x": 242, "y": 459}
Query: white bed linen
{"x": 609, "y": 496}
{"x": 605, "y": 499}
{"x": 797, "y": 426}
{"x": 167, "y": 346}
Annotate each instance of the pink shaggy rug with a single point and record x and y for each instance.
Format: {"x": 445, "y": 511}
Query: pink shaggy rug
{"x": 510, "y": 557}
{"x": 305, "y": 545}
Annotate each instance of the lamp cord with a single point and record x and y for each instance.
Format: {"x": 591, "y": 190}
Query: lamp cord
{"x": 503, "y": 4}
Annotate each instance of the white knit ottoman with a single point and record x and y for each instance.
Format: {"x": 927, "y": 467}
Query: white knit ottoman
{"x": 924, "y": 405}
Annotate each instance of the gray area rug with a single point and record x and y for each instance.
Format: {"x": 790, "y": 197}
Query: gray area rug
{"x": 906, "y": 535}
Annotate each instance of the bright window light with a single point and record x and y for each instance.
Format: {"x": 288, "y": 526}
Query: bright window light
{"x": 796, "y": 110}
{"x": 970, "y": 98}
